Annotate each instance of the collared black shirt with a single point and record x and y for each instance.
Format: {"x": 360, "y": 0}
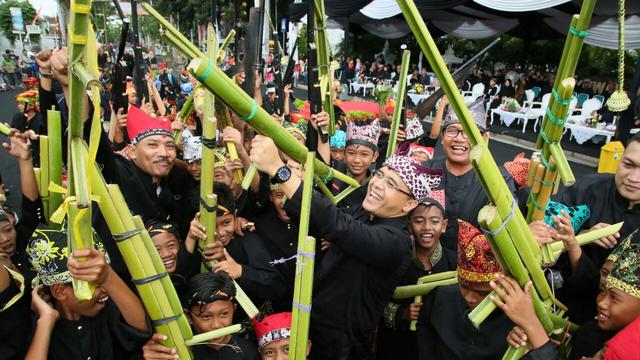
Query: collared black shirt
{"x": 445, "y": 332}
{"x": 237, "y": 349}
{"x": 356, "y": 278}
{"x": 105, "y": 336}
{"x": 465, "y": 196}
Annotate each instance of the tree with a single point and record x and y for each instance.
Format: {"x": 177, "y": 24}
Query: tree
{"x": 6, "y": 25}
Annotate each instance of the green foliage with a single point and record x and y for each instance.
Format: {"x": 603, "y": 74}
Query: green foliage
{"x": 303, "y": 47}
{"x": 6, "y": 26}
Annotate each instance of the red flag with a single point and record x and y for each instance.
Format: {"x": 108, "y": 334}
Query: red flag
{"x": 37, "y": 15}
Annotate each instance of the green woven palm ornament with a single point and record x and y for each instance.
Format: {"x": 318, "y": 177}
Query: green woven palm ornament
{"x": 619, "y": 100}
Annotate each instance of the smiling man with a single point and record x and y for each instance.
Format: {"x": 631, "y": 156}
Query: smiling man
{"x": 142, "y": 176}
{"x": 611, "y": 199}
{"x": 465, "y": 195}
{"x": 368, "y": 256}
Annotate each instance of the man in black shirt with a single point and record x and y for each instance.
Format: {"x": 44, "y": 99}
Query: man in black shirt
{"x": 367, "y": 257}
{"x": 29, "y": 118}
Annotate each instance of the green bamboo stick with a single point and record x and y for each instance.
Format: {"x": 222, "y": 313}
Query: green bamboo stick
{"x": 445, "y": 275}
{"x": 78, "y": 182}
{"x": 223, "y": 47}
{"x": 325, "y": 71}
{"x": 408, "y": 291}
{"x": 482, "y": 311}
{"x": 515, "y": 353}
{"x": 215, "y": 334}
{"x": 208, "y": 220}
{"x": 36, "y": 172}
{"x": 231, "y": 94}
{"x": 516, "y": 227}
{"x": 44, "y": 175}
{"x": 177, "y": 43}
{"x": 397, "y": 112}
{"x": 558, "y": 247}
{"x": 324, "y": 189}
{"x": 169, "y": 28}
{"x": 344, "y": 193}
{"x": 184, "y": 114}
{"x": 54, "y": 133}
{"x": 248, "y": 177}
{"x": 303, "y": 286}
{"x": 5, "y": 129}
{"x": 245, "y": 303}
{"x": 80, "y": 236}
{"x": 568, "y": 179}
{"x": 158, "y": 297}
{"x": 222, "y": 114}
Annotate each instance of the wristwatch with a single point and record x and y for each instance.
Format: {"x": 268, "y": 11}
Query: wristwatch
{"x": 46, "y": 75}
{"x": 282, "y": 175}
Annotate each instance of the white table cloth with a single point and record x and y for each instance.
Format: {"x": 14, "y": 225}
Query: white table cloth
{"x": 583, "y": 133}
{"x": 417, "y": 98}
{"x": 355, "y": 87}
{"x": 508, "y": 117}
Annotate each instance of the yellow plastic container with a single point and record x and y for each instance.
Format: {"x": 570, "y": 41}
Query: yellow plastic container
{"x": 610, "y": 156}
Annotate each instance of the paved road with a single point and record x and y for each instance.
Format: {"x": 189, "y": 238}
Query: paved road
{"x": 9, "y": 168}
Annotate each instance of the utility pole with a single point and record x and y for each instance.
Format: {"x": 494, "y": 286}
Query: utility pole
{"x": 139, "y": 66}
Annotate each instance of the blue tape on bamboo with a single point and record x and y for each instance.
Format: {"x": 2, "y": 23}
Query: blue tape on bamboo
{"x": 554, "y": 119}
{"x": 578, "y": 33}
{"x": 534, "y": 200}
{"x": 558, "y": 99}
{"x": 302, "y": 307}
{"x": 514, "y": 205}
{"x": 206, "y": 73}
{"x": 254, "y": 110}
{"x": 328, "y": 177}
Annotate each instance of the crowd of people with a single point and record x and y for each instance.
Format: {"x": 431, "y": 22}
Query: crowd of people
{"x": 414, "y": 214}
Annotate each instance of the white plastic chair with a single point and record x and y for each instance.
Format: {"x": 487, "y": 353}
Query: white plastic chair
{"x": 529, "y": 95}
{"x": 476, "y": 91}
{"x": 541, "y": 110}
{"x": 588, "y": 107}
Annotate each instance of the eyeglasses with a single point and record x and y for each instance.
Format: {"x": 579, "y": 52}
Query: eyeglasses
{"x": 389, "y": 182}
{"x": 453, "y": 132}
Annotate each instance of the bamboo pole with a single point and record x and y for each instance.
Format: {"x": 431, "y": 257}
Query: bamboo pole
{"x": 43, "y": 185}
{"x": 222, "y": 114}
{"x": 184, "y": 114}
{"x": 230, "y": 93}
{"x": 324, "y": 189}
{"x": 583, "y": 239}
{"x": 248, "y": 177}
{"x": 208, "y": 201}
{"x": 54, "y": 133}
{"x": 5, "y": 129}
{"x": 215, "y": 334}
{"x": 325, "y": 72}
{"x": 533, "y": 168}
{"x": 408, "y": 291}
{"x": 80, "y": 236}
{"x": 303, "y": 286}
{"x": 397, "y": 112}
{"x": 223, "y": 48}
{"x": 170, "y": 29}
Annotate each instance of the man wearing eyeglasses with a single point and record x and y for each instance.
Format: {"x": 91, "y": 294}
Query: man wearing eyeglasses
{"x": 368, "y": 256}
{"x": 465, "y": 195}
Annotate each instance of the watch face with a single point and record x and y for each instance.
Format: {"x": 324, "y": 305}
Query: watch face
{"x": 283, "y": 174}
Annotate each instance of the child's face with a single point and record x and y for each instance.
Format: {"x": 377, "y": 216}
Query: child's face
{"x": 194, "y": 168}
{"x": 359, "y": 158}
{"x": 275, "y": 350}
{"x": 337, "y": 154}
{"x": 277, "y": 199}
{"x": 7, "y": 238}
{"x": 427, "y": 223}
{"x": 212, "y": 316}
{"x": 474, "y": 293}
{"x": 616, "y": 309}
{"x": 225, "y": 228}
{"x": 420, "y": 156}
{"x": 167, "y": 246}
{"x": 220, "y": 174}
{"x": 89, "y": 308}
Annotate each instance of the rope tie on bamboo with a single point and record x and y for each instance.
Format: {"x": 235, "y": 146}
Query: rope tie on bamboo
{"x": 254, "y": 110}
{"x": 126, "y": 235}
{"x": 164, "y": 321}
{"x": 328, "y": 177}
{"x": 514, "y": 205}
{"x": 554, "y": 119}
{"x": 578, "y": 33}
{"x": 149, "y": 279}
{"x": 558, "y": 99}
{"x": 308, "y": 255}
{"x": 207, "y": 207}
{"x": 209, "y": 143}
{"x": 206, "y": 73}
{"x": 302, "y": 307}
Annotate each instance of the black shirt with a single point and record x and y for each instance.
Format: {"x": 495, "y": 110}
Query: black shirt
{"x": 105, "y": 336}
{"x": 445, "y": 332}
{"x": 356, "y": 278}
{"x": 599, "y": 192}
{"x": 465, "y": 196}
{"x": 38, "y": 126}
{"x": 15, "y": 328}
{"x": 237, "y": 349}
